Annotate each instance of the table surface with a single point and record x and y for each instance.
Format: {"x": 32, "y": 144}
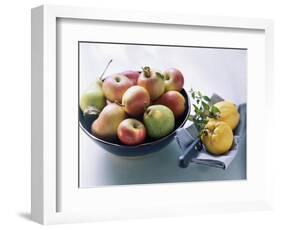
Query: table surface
{"x": 221, "y": 71}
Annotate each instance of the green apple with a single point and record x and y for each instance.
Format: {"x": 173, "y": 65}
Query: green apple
{"x": 159, "y": 121}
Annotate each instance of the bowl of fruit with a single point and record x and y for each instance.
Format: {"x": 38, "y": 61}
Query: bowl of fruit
{"x": 134, "y": 113}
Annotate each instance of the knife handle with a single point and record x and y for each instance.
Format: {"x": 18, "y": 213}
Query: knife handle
{"x": 190, "y": 153}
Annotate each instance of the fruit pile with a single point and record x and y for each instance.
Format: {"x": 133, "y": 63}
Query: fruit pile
{"x": 218, "y": 138}
{"x": 215, "y": 122}
{"x": 133, "y": 106}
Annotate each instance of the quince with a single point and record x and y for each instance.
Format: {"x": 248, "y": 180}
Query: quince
{"x": 218, "y": 137}
{"x": 228, "y": 113}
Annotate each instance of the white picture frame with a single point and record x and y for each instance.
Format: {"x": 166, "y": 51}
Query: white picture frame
{"x": 47, "y": 177}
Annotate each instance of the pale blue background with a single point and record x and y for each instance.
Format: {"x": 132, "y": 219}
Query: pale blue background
{"x": 221, "y": 71}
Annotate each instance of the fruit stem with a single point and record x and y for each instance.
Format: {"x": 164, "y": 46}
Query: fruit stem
{"x": 101, "y": 77}
{"x": 118, "y": 103}
{"x": 146, "y": 71}
{"x": 145, "y": 106}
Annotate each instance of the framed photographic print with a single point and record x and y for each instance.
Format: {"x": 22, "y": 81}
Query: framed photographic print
{"x": 137, "y": 114}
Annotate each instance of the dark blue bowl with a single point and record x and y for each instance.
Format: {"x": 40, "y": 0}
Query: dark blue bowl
{"x": 149, "y": 146}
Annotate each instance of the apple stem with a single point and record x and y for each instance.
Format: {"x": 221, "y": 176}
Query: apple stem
{"x": 101, "y": 77}
{"x": 146, "y": 71}
{"x": 145, "y": 107}
{"x": 118, "y": 103}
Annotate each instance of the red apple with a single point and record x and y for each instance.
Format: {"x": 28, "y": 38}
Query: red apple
{"x": 131, "y": 132}
{"x": 135, "y": 100}
{"x": 132, "y": 75}
{"x": 153, "y": 82}
{"x": 115, "y": 86}
{"x": 173, "y": 79}
{"x": 174, "y": 101}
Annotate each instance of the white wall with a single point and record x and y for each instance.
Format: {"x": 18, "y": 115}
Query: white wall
{"x": 15, "y": 111}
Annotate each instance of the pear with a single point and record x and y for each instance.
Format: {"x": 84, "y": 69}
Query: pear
{"x": 105, "y": 127}
{"x": 93, "y": 99}
{"x": 159, "y": 121}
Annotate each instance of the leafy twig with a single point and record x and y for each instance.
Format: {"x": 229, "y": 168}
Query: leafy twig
{"x": 204, "y": 110}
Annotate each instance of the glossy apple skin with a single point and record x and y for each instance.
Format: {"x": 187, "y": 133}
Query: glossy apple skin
{"x": 173, "y": 79}
{"x": 153, "y": 83}
{"x": 131, "y": 132}
{"x": 174, "y": 101}
{"x": 132, "y": 75}
{"x": 115, "y": 86}
{"x": 159, "y": 121}
{"x": 135, "y": 100}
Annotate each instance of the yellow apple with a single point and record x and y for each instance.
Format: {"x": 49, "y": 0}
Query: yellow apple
{"x": 228, "y": 113}
{"x": 218, "y": 137}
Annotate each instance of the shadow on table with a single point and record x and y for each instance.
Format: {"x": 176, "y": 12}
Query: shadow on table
{"x": 160, "y": 167}
{"x": 25, "y": 215}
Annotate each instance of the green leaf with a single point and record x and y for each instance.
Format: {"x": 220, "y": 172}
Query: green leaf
{"x": 203, "y": 110}
{"x": 204, "y": 123}
{"x": 195, "y": 107}
{"x": 206, "y": 98}
{"x": 160, "y": 75}
{"x": 193, "y": 94}
{"x": 214, "y": 109}
{"x": 190, "y": 117}
{"x": 205, "y": 105}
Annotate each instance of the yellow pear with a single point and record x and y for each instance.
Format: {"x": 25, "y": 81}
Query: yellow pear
{"x": 93, "y": 98}
{"x": 218, "y": 137}
{"x": 105, "y": 127}
{"x": 228, "y": 113}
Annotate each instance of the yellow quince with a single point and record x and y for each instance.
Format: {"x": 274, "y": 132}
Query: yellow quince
{"x": 218, "y": 137}
{"x": 228, "y": 113}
